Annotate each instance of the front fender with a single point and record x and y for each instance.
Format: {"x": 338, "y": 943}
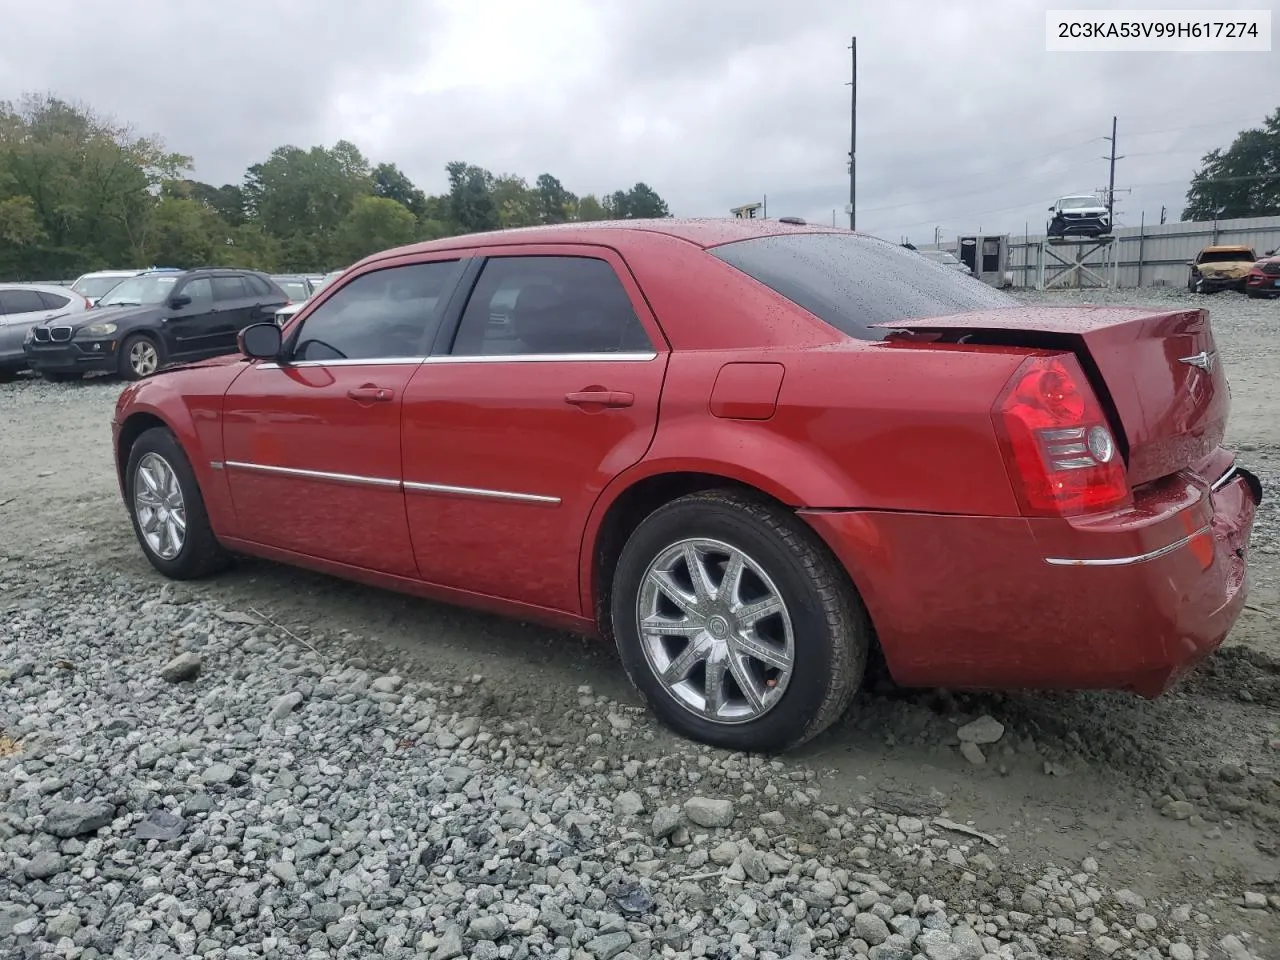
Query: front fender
{"x": 194, "y": 418}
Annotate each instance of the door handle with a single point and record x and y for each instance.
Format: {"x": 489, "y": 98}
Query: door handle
{"x": 371, "y": 394}
{"x": 600, "y": 398}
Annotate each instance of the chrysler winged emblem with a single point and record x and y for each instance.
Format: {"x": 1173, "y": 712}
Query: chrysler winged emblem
{"x": 1203, "y": 360}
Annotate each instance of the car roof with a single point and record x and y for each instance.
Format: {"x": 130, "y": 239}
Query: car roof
{"x": 110, "y": 273}
{"x": 42, "y": 287}
{"x": 701, "y": 232}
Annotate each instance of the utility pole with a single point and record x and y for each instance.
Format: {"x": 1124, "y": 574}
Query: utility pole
{"x": 1162, "y": 213}
{"x": 1111, "y": 181}
{"x": 853, "y": 137}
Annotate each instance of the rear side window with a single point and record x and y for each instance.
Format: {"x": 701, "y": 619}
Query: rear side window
{"x": 855, "y": 282}
{"x": 228, "y": 288}
{"x": 549, "y": 304}
{"x": 22, "y": 301}
{"x": 53, "y": 301}
{"x": 257, "y": 286}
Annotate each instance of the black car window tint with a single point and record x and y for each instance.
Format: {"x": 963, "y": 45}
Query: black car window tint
{"x": 549, "y": 304}
{"x": 383, "y": 314}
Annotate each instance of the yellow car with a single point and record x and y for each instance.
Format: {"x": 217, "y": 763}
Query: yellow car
{"x": 1220, "y": 268}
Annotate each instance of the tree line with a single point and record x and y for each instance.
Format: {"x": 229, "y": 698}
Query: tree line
{"x": 1241, "y": 181}
{"x": 80, "y": 192}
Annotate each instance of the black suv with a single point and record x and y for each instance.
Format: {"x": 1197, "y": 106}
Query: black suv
{"x": 158, "y": 317}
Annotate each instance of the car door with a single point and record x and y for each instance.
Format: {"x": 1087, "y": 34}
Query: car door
{"x": 187, "y": 328}
{"x": 233, "y": 308}
{"x": 312, "y": 443}
{"x": 547, "y": 389}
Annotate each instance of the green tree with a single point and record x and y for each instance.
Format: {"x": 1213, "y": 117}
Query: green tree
{"x": 389, "y": 181}
{"x": 186, "y": 233}
{"x": 91, "y": 183}
{"x": 1241, "y": 181}
{"x": 374, "y": 224}
{"x": 640, "y": 202}
{"x": 299, "y": 197}
{"x": 515, "y": 203}
{"x": 590, "y": 208}
{"x": 471, "y": 206}
{"x": 555, "y": 203}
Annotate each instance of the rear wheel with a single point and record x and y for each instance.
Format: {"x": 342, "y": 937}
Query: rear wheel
{"x": 139, "y": 357}
{"x": 736, "y": 624}
{"x": 168, "y": 511}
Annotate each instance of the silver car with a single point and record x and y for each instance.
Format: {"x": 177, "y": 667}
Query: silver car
{"x": 22, "y": 306}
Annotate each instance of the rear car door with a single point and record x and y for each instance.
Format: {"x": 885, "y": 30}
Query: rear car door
{"x": 233, "y": 306}
{"x": 186, "y": 328}
{"x": 312, "y": 445}
{"x": 547, "y": 389}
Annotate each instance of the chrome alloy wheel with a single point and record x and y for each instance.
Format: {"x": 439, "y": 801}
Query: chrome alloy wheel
{"x": 144, "y": 358}
{"x": 715, "y": 631}
{"x": 159, "y": 507}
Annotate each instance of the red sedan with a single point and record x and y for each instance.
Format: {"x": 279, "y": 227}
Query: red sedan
{"x": 1264, "y": 279}
{"x": 747, "y": 453}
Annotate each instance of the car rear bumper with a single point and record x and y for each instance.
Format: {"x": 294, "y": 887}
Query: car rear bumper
{"x": 74, "y": 355}
{"x": 1129, "y": 601}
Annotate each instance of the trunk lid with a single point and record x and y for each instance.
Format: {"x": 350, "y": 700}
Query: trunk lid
{"x": 1156, "y": 371}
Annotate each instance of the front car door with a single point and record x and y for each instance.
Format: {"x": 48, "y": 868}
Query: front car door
{"x": 187, "y": 329}
{"x": 312, "y": 444}
{"x": 546, "y": 391}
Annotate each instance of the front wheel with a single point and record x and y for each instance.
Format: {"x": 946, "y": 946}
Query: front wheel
{"x": 168, "y": 511}
{"x": 736, "y": 624}
{"x": 139, "y": 357}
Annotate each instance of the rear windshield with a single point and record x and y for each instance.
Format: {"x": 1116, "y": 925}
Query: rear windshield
{"x": 854, "y": 282}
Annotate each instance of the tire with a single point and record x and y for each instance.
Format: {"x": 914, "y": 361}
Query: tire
{"x": 140, "y": 356}
{"x": 61, "y": 376}
{"x": 199, "y": 554}
{"x": 830, "y": 632}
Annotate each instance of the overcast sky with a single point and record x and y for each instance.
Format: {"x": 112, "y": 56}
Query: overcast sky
{"x": 964, "y": 120}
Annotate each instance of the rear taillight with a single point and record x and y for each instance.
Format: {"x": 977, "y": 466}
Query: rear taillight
{"x": 1061, "y": 455}
{"x": 88, "y": 304}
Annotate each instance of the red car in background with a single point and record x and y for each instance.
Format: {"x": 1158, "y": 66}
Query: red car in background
{"x": 1264, "y": 278}
{"x": 747, "y": 452}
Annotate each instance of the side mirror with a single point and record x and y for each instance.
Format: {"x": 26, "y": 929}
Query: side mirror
{"x": 260, "y": 341}
{"x": 1268, "y": 253}
{"x": 1051, "y": 209}
{"x": 179, "y": 301}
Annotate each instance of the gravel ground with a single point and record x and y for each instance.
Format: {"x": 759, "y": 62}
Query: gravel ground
{"x": 277, "y": 764}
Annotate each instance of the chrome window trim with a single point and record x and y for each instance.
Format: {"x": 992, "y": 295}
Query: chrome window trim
{"x": 1127, "y": 561}
{"x": 313, "y": 474}
{"x": 406, "y": 486}
{"x": 636, "y": 357}
{"x": 1226, "y": 478}
{"x": 480, "y": 358}
{"x": 411, "y": 486}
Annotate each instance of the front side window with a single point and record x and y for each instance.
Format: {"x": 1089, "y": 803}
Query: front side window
{"x": 141, "y": 291}
{"x": 543, "y": 305}
{"x": 200, "y": 290}
{"x": 854, "y": 282}
{"x": 385, "y": 314}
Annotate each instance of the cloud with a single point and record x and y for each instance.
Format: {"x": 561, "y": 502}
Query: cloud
{"x": 964, "y": 121}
